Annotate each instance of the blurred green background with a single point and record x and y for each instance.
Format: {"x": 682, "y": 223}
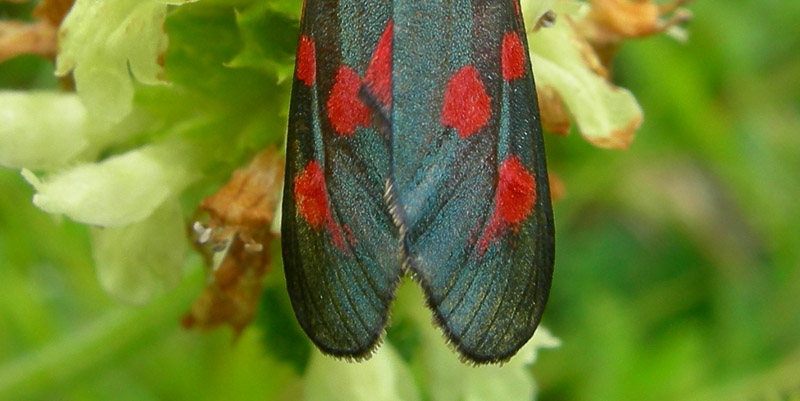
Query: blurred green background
{"x": 677, "y": 260}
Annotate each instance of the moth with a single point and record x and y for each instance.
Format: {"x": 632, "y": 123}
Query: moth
{"x": 415, "y": 147}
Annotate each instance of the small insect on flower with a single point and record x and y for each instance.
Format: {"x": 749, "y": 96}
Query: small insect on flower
{"x": 415, "y": 147}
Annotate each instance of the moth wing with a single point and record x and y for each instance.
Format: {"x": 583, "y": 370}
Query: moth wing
{"x": 341, "y": 250}
{"x": 469, "y": 173}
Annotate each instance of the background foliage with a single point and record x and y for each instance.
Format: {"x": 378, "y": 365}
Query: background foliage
{"x": 677, "y": 268}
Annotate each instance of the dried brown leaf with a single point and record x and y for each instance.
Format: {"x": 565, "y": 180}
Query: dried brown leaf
{"x": 619, "y": 139}
{"x": 53, "y": 11}
{"x": 250, "y": 197}
{"x": 241, "y": 215}
{"x": 18, "y": 38}
{"x": 555, "y": 118}
{"x": 611, "y": 22}
{"x": 39, "y": 37}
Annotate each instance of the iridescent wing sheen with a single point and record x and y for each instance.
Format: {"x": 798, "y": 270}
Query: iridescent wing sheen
{"x": 469, "y": 171}
{"x": 414, "y": 141}
{"x": 341, "y": 250}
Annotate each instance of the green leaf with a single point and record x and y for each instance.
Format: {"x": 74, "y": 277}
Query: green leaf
{"x": 120, "y": 190}
{"x": 607, "y": 116}
{"x": 139, "y": 261}
{"x": 288, "y": 7}
{"x": 405, "y": 336}
{"x": 104, "y": 42}
{"x": 532, "y": 10}
{"x": 270, "y": 39}
{"x": 281, "y": 335}
{"x": 41, "y": 130}
{"x": 384, "y": 377}
{"x": 51, "y": 130}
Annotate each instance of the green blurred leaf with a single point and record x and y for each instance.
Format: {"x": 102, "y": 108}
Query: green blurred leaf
{"x": 607, "y": 116}
{"x": 404, "y": 334}
{"x": 103, "y": 42}
{"x": 142, "y": 260}
{"x": 121, "y": 190}
{"x": 447, "y": 378}
{"x": 384, "y": 377}
{"x": 270, "y": 40}
{"x": 282, "y": 337}
{"x": 41, "y": 130}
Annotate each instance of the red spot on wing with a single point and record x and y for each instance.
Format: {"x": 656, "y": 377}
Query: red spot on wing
{"x": 513, "y": 56}
{"x": 466, "y": 104}
{"x": 345, "y": 110}
{"x": 516, "y": 6}
{"x": 514, "y": 201}
{"x": 516, "y": 191}
{"x": 379, "y": 73}
{"x": 306, "y": 61}
{"x": 311, "y": 198}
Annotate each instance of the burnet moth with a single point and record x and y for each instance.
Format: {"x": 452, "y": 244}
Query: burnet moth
{"x": 415, "y": 147}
